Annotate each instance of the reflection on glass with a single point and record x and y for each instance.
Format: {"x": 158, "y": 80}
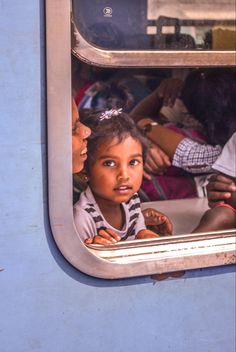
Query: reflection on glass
{"x": 157, "y": 24}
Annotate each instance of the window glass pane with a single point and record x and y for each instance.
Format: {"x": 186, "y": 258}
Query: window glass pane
{"x": 157, "y": 24}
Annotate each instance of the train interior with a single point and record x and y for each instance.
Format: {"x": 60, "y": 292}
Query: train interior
{"x": 152, "y": 25}
{"x": 184, "y": 213}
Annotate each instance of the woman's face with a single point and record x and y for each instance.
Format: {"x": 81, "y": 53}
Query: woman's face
{"x": 80, "y": 133}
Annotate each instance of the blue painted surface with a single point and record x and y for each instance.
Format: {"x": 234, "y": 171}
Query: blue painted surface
{"x": 45, "y": 304}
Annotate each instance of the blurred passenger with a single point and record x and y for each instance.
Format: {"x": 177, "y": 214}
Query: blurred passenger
{"x": 209, "y": 97}
{"x": 223, "y": 215}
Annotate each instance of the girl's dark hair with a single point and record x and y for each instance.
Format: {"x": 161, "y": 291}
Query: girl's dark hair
{"x": 116, "y": 127}
{"x": 209, "y": 95}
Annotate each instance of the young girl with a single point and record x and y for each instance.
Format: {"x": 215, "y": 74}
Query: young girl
{"x": 109, "y": 209}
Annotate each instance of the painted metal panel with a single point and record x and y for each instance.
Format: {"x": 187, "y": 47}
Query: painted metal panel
{"x": 47, "y": 305}
{"x": 60, "y": 186}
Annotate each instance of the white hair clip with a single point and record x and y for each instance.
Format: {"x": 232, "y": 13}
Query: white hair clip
{"x": 106, "y": 115}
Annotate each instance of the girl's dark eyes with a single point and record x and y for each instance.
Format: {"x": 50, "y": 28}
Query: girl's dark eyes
{"x": 112, "y": 163}
{"x": 109, "y": 163}
{"x": 134, "y": 162}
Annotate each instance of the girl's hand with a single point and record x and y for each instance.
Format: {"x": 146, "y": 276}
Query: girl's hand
{"x": 159, "y": 221}
{"x": 106, "y": 236}
{"x": 143, "y": 234}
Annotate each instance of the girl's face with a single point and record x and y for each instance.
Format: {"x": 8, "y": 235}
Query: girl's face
{"x": 116, "y": 173}
{"x": 80, "y": 133}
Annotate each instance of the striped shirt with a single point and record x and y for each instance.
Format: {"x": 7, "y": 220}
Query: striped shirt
{"x": 89, "y": 219}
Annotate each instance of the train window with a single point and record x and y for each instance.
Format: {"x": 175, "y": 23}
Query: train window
{"x": 131, "y": 258}
{"x": 199, "y": 28}
{"x": 157, "y": 24}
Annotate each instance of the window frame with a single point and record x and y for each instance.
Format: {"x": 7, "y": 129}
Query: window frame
{"x": 133, "y": 58}
{"x": 207, "y": 250}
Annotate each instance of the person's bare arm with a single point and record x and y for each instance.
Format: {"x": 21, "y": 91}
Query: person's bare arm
{"x": 148, "y": 107}
{"x": 165, "y": 138}
{"x": 215, "y": 219}
{"x": 165, "y": 94}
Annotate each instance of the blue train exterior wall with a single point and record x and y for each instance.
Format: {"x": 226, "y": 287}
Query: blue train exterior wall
{"x": 46, "y": 304}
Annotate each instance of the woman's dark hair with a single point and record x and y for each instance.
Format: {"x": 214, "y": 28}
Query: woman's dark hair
{"x": 209, "y": 95}
{"x": 119, "y": 126}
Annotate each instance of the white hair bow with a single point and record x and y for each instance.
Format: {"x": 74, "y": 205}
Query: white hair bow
{"x": 106, "y": 115}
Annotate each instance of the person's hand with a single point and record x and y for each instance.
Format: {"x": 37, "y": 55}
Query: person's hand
{"x": 219, "y": 189}
{"x": 158, "y": 221}
{"x": 106, "y": 236}
{"x": 169, "y": 89}
{"x": 156, "y": 162}
{"x": 144, "y": 234}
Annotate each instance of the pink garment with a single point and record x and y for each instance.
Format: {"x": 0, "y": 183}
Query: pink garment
{"x": 81, "y": 92}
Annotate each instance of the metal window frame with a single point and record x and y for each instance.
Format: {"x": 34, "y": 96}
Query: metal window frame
{"x": 132, "y": 259}
{"x": 133, "y": 58}
{"x": 155, "y": 58}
